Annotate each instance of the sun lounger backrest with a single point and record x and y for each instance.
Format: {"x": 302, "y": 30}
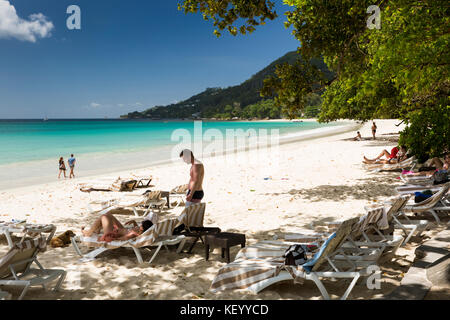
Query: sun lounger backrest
{"x": 435, "y": 198}
{"x": 165, "y": 227}
{"x": 398, "y": 205}
{"x": 194, "y": 215}
{"x": 180, "y": 189}
{"x": 334, "y": 242}
{"x": 154, "y": 195}
{"x": 22, "y": 251}
{"x": 373, "y": 216}
{"x": 162, "y": 228}
{"x": 15, "y": 256}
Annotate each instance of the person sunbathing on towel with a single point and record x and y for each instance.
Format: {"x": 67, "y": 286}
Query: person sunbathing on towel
{"x": 438, "y": 164}
{"x": 114, "y": 230}
{"x": 396, "y": 155}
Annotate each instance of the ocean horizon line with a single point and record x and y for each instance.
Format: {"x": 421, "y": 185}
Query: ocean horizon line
{"x": 149, "y": 119}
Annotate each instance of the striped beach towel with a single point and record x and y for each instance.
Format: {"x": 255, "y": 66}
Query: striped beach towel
{"x": 243, "y": 273}
{"x": 193, "y": 216}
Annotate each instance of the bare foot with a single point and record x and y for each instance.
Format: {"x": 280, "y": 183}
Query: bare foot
{"x": 84, "y": 232}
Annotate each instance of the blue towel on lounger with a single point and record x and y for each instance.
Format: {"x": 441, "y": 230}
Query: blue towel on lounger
{"x": 309, "y": 265}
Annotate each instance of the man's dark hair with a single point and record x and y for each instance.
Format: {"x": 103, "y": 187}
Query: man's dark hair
{"x": 71, "y": 155}
{"x": 146, "y": 224}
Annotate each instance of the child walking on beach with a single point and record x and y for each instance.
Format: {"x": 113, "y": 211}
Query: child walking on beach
{"x": 62, "y": 168}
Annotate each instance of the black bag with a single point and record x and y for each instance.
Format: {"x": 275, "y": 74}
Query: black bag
{"x": 178, "y": 230}
{"x": 295, "y": 255}
{"x": 422, "y": 196}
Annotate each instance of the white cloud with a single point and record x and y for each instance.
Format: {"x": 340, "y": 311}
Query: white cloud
{"x": 12, "y": 26}
{"x": 95, "y": 105}
{"x": 138, "y": 104}
{"x": 121, "y": 105}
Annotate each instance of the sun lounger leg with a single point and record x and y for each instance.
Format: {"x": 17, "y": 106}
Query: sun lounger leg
{"x": 10, "y": 242}
{"x": 350, "y": 287}
{"x": 138, "y": 255}
{"x": 413, "y": 229}
{"x": 24, "y": 291}
{"x": 60, "y": 281}
{"x": 156, "y": 252}
{"x": 181, "y": 246}
{"x": 435, "y": 216}
{"x": 320, "y": 285}
{"x": 75, "y": 245}
{"x": 136, "y": 214}
{"x": 259, "y": 286}
{"x": 91, "y": 255}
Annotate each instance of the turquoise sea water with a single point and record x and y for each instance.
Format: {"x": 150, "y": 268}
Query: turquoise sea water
{"x": 27, "y": 140}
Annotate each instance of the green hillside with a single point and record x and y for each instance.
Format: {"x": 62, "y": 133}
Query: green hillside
{"x": 213, "y": 101}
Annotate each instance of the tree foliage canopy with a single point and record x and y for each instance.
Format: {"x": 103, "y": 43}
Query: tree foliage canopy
{"x": 226, "y": 13}
{"x": 398, "y": 71}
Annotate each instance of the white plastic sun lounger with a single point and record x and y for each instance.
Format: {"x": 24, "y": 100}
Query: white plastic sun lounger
{"x": 159, "y": 235}
{"x": 434, "y": 204}
{"x": 15, "y": 267}
{"x": 411, "y": 189}
{"x": 259, "y": 273}
{"x": 408, "y": 163}
{"x": 10, "y": 228}
{"x": 409, "y": 227}
{"x": 179, "y": 193}
{"x": 416, "y": 180}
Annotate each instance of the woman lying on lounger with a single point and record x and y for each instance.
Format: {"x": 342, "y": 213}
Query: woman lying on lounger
{"x": 395, "y": 156}
{"x": 436, "y": 162}
{"x": 114, "y": 230}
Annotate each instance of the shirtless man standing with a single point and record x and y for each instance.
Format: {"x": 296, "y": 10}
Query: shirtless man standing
{"x": 195, "y": 193}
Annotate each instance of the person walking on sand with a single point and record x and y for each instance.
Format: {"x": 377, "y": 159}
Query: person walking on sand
{"x": 374, "y": 129}
{"x": 71, "y": 162}
{"x": 62, "y": 168}
{"x": 195, "y": 193}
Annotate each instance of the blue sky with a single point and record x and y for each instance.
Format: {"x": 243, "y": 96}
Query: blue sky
{"x": 129, "y": 55}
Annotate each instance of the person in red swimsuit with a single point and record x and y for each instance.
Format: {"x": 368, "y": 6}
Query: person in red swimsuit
{"x": 114, "y": 230}
{"x": 396, "y": 155}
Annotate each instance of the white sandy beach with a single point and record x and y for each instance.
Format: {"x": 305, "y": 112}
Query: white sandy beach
{"x": 314, "y": 182}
